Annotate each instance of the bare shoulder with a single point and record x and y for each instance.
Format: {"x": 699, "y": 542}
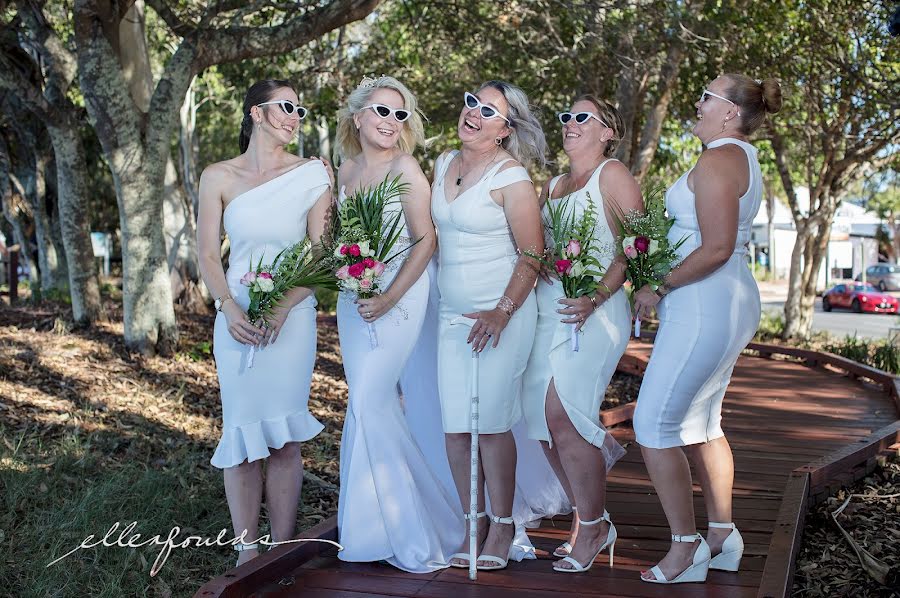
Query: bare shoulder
{"x": 510, "y": 163}
{"x": 726, "y": 164}
{"x": 409, "y": 169}
{"x": 615, "y": 170}
{"x": 219, "y": 173}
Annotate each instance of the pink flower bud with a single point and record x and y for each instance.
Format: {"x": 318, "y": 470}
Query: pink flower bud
{"x": 343, "y": 272}
{"x": 631, "y": 252}
{"x": 573, "y": 248}
{"x": 562, "y": 266}
{"x": 365, "y": 284}
{"x": 265, "y": 275}
{"x": 642, "y": 244}
{"x": 356, "y": 270}
{"x": 378, "y": 268}
{"x": 353, "y": 250}
{"x": 248, "y": 279}
{"x": 344, "y": 249}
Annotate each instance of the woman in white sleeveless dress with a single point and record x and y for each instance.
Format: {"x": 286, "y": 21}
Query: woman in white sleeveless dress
{"x": 709, "y": 311}
{"x": 264, "y": 408}
{"x": 564, "y": 388}
{"x": 485, "y": 208}
{"x": 392, "y": 506}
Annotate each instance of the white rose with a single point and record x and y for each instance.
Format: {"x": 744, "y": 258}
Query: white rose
{"x": 266, "y": 285}
{"x": 628, "y": 242}
{"x": 654, "y": 246}
{"x": 351, "y": 284}
{"x": 364, "y": 249}
{"x": 577, "y": 269}
{"x": 337, "y": 250}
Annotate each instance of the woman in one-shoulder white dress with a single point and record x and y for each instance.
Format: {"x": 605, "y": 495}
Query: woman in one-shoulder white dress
{"x": 485, "y": 209}
{"x": 264, "y": 408}
{"x": 392, "y": 506}
{"x": 709, "y": 311}
{"x": 565, "y": 388}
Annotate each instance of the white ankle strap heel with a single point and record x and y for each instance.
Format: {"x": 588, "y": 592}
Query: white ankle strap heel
{"x": 241, "y": 547}
{"x": 696, "y": 571}
{"x": 611, "y": 538}
{"x": 465, "y": 556}
{"x": 497, "y": 563}
{"x": 732, "y": 549}
{"x": 566, "y": 547}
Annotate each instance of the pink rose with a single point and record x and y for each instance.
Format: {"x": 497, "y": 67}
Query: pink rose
{"x": 369, "y": 262}
{"x": 631, "y": 252}
{"x": 343, "y": 272}
{"x": 353, "y": 250}
{"x": 642, "y": 244}
{"x": 356, "y": 270}
{"x": 573, "y": 248}
{"x": 378, "y": 268}
{"x": 248, "y": 279}
{"x": 562, "y": 266}
{"x": 344, "y": 249}
{"x": 265, "y": 275}
{"x": 365, "y": 284}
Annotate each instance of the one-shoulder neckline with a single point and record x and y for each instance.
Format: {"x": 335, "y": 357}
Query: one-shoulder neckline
{"x": 475, "y": 185}
{"x": 261, "y": 185}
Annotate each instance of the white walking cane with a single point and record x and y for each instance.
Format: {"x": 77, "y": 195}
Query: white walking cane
{"x": 473, "y": 471}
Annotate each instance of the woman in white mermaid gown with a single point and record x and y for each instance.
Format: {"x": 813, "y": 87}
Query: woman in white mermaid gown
{"x": 265, "y": 415}
{"x": 564, "y": 388}
{"x": 392, "y": 506}
{"x": 709, "y": 309}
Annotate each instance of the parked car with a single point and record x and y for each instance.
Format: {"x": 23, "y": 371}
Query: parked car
{"x": 859, "y": 297}
{"x": 884, "y": 276}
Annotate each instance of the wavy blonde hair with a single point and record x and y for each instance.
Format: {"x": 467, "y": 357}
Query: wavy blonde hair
{"x": 347, "y": 144}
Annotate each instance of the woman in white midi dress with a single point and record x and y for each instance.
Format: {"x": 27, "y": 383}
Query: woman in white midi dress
{"x": 709, "y": 311}
{"x": 392, "y": 506}
{"x": 264, "y": 408}
{"x": 565, "y": 388}
{"x": 485, "y": 209}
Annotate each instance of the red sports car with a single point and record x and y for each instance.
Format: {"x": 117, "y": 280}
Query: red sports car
{"x": 859, "y": 298}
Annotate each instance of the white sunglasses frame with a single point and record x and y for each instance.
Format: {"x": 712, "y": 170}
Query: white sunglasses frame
{"x": 281, "y": 103}
{"x": 707, "y": 92}
{"x": 392, "y": 112}
{"x": 574, "y": 116}
{"x": 481, "y": 106}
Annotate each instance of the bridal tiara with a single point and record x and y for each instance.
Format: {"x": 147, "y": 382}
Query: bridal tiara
{"x": 369, "y": 81}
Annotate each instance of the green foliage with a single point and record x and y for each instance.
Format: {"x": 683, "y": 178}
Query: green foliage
{"x": 879, "y": 354}
{"x": 364, "y": 216}
{"x": 771, "y": 326}
{"x": 200, "y": 351}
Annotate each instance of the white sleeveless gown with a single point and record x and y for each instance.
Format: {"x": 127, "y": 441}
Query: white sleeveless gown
{"x": 703, "y": 328}
{"x": 476, "y": 260}
{"x": 580, "y": 377}
{"x": 391, "y": 506}
{"x": 266, "y": 406}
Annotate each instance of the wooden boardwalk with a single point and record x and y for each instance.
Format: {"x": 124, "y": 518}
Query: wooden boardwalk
{"x": 778, "y": 415}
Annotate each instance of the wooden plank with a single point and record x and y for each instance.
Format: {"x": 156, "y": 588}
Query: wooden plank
{"x": 272, "y": 564}
{"x": 778, "y": 574}
{"x": 617, "y": 415}
{"x": 840, "y": 461}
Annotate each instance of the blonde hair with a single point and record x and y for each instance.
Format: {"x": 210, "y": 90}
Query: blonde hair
{"x": 347, "y": 143}
{"x": 526, "y": 142}
{"x": 755, "y": 99}
{"x": 610, "y": 117}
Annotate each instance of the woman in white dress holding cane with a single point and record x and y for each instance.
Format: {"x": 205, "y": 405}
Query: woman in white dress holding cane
{"x": 486, "y": 211}
{"x": 391, "y": 506}
{"x": 564, "y": 388}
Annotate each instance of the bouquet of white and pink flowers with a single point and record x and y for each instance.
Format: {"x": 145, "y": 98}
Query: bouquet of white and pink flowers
{"x": 649, "y": 255}
{"x": 293, "y": 267}
{"x": 570, "y": 252}
{"x": 364, "y": 235}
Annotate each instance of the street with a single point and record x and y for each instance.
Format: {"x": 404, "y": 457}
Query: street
{"x": 844, "y": 322}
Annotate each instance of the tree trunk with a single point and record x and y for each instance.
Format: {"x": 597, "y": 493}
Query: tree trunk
{"x": 658, "y": 110}
{"x": 11, "y": 202}
{"x": 84, "y": 284}
{"x": 190, "y": 147}
{"x": 53, "y": 271}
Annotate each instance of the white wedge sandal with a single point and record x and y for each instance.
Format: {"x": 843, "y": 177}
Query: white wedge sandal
{"x": 611, "y": 538}
{"x": 460, "y": 556}
{"x": 696, "y": 571}
{"x": 732, "y": 549}
{"x": 498, "y": 563}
